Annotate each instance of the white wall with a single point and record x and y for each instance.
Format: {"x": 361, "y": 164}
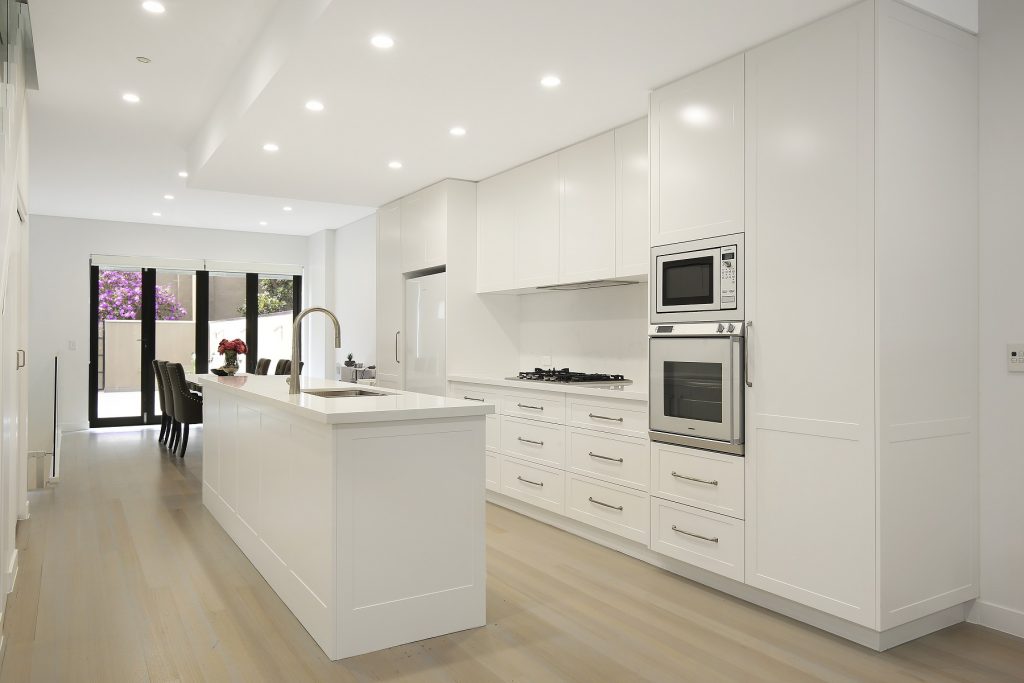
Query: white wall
{"x": 1002, "y": 316}
{"x": 591, "y": 330}
{"x": 318, "y": 290}
{"x": 355, "y": 288}
{"x": 59, "y": 295}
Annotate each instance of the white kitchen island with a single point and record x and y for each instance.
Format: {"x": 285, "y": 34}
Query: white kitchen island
{"x": 365, "y": 514}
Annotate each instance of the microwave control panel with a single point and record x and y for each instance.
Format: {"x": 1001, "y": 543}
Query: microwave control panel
{"x": 728, "y": 276}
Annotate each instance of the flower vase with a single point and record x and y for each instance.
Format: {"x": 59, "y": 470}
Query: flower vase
{"x": 230, "y": 362}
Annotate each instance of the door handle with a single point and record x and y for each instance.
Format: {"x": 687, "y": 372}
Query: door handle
{"x": 746, "y": 355}
{"x": 20, "y": 359}
{"x": 710, "y": 539}
{"x": 397, "y": 359}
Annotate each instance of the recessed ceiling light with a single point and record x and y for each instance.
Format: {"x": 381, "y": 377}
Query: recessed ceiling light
{"x": 131, "y": 97}
{"x": 168, "y": 196}
{"x": 143, "y": 60}
{"x": 183, "y": 174}
{"x": 287, "y": 208}
{"x": 153, "y": 6}
{"x": 263, "y": 223}
{"x": 395, "y": 164}
{"x": 382, "y": 41}
{"x": 315, "y": 105}
{"x": 270, "y": 147}
{"x": 551, "y": 81}
{"x": 157, "y": 214}
{"x": 457, "y": 131}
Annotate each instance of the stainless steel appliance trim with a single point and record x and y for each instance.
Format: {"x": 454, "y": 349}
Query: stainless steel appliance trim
{"x": 604, "y": 457}
{"x": 595, "y": 501}
{"x": 703, "y": 312}
{"x": 711, "y": 482}
{"x": 712, "y": 539}
{"x": 602, "y": 417}
{"x": 527, "y": 481}
{"x": 718, "y": 350}
{"x": 696, "y": 442}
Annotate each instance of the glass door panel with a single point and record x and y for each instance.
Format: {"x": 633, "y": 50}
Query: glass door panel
{"x": 275, "y": 295}
{"x": 118, "y": 347}
{"x": 227, "y": 314}
{"x": 175, "y": 326}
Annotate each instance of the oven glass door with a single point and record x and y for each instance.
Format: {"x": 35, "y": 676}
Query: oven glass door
{"x": 692, "y": 387}
{"x": 689, "y": 281}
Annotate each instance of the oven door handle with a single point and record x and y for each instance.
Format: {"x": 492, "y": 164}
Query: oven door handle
{"x": 746, "y": 355}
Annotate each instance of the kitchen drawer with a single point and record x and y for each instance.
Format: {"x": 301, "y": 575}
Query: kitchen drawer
{"x": 618, "y": 417}
{"x": 614, "y": 508}
{"x": 474, "y": 392}
{"x": 710, "y": 481}
{"x": 622, "y": 460}
{"x": 704, "y": 539}
{"x": 532, "y": 440}
{"x": 535, "y": 405}
{"x": 492, "y": 473}
{"x": 492, "y": 433}
{"x": 534, "y": 484}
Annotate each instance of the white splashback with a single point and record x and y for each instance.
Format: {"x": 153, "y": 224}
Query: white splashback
{"x": 591, "y": 330}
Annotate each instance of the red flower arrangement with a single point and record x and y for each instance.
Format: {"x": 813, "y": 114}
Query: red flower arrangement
{"x": 236, "y": 345}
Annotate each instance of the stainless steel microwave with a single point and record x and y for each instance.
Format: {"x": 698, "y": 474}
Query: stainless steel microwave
{"x": 698, "y": 281}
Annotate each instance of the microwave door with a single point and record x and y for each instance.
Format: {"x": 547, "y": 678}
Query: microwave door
{"x": 692, "y": 387}
{"x": 688, "y": 281}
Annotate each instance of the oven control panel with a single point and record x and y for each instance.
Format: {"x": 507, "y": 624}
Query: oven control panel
{"x": 728, "y": 276}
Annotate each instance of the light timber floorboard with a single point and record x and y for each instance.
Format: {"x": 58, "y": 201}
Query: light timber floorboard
{"x": 124, "y": 576}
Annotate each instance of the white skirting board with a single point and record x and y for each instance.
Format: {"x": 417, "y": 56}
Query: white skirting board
{"x": 869, "y": 638}
{"x": 999, "y": 617}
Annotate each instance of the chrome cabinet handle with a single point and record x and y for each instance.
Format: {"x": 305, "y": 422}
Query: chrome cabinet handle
{"x": 470, "y": 398}
{"x": 597, "y": 502}
{"x": 397, "y": 359}
{"x": 746, "y": 355}
{"x": 710, "y": 539}
{"x": 712, "y": 482}
{"x": 605, "y": 457}
{"x": 527, "y": 481}
{"x": 535, "y": 443}
{"x": 523, "y": 405}
{"x": 21, "y": 359}
{"x": 602, "y": 417}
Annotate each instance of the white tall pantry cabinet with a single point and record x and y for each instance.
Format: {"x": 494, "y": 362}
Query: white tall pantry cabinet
{"x": 390, "y": 295}
{"x": 861, "y": 249}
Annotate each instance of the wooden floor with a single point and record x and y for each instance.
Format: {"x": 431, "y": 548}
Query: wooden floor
{"x": 125, "y": 577}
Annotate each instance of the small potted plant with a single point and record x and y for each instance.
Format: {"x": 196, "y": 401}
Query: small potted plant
{"x": 230, "y": 349}
{"x": 350, "y": 361}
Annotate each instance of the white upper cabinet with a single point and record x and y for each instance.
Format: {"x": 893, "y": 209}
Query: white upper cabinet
{"x": 495, "y": 221}
{"x": 424, "y": 242}
{"x": 697, "y": 155}
{"x": 536, "y": 222}
{"x": 390, "y": 295}
{"x": 632, "y": 200}
{"x": 587, "y": 220}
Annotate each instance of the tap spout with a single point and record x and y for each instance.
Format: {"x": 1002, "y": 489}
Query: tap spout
{"x": 293, "y": 381}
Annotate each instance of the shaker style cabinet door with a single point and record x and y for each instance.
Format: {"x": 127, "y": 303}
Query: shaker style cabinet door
{"x": 495, "y": 225}
{"x": 536, "y": 188}
{"x": 697, "y": 167}
{"x": 423, "y": 229}
{"x": 587, "y": 225}
{"x": 632, "y": 200}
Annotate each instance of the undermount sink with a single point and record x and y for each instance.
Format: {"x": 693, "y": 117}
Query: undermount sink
{"x": 342, "y": 393}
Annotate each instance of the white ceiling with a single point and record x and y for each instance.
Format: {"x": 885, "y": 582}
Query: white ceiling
{"x": 229, "y": 75}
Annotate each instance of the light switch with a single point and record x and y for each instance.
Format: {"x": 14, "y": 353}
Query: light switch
{"x": 72, "y": 345}
{"x": 1015, "y": 357}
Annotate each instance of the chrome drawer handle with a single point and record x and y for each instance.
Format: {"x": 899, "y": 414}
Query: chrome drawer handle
{"x": 597, "y": 502}
{"x": 470, "y": 398}
{"x": 523, "y": 405}
{"x": 535, "y": 443}
{"x": 527, "y": 481}
{"x": 602, "y": 417}
{"x": 689, "y": 533}
{"x": 604, "y": 457}
{"x": 711, "y": 482}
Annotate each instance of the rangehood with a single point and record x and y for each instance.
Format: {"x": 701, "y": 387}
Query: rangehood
{"x": 586, "y": 284}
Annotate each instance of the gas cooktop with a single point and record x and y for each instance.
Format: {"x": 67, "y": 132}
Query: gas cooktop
{"x": 565, "y": 376}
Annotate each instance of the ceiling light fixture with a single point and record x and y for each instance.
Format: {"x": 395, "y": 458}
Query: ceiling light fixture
{"x": 263, "y": 223}
{"x": 183, "y": 174}
{"x": 382, "y": 41}
{"x": 551, "y": 81}
{"x": 168, "y": 196}
{"x": 287, "y": 208}
{"x": 315, "y": 105}
{"x": 154, "y": 7}
{"x": 131, "y": 98}
{"x": 270, "y": 147}
{"x": 457, "y": 131}
{"x": 395, "y": 165}
{"x": 157, "y": 214}
{"x": 143, "y": 60}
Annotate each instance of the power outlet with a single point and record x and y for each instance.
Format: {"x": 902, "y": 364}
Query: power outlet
{"x": 1015, "y": 357}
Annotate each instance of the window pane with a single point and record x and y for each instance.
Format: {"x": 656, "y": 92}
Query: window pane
{"x": 119, "y": 344}
{"x": 175, "y": 321}
{"x": 275, "y": 317}
{"x": 227, "y": 314}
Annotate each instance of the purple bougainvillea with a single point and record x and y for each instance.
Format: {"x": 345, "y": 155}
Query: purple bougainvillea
{"x": 121, "y": 297}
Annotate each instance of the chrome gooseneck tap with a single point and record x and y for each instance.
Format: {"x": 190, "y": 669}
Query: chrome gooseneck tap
{"x": 293, "y": 381}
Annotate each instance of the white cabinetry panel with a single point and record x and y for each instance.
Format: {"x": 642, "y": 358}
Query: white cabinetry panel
{"x": 617, "y": 509}
{"x": 423, "y": 229}
{"x": 533, "y": 440}
{"x": 697, "y": 134}
{"x": 713, "y": 542}
{"x": 534, "y": 484}
{"x": 390, "y": 296}
{"x": 495, "y": 221}
{"x": 587, "y": 220}
{"x": 710, "y": 481}
{"x": 632, "y": 200}
{"x": 620, "y": 459}
{"x": 536, "y": 187}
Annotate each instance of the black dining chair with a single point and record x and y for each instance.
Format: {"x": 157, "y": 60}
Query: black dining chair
{"x": 167, "y": 402}
{"x": 165, "y": 413}
{"x": 262, "y": 366}
{"x": 188, "y": 407}
{"x": 284, "y": 367}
